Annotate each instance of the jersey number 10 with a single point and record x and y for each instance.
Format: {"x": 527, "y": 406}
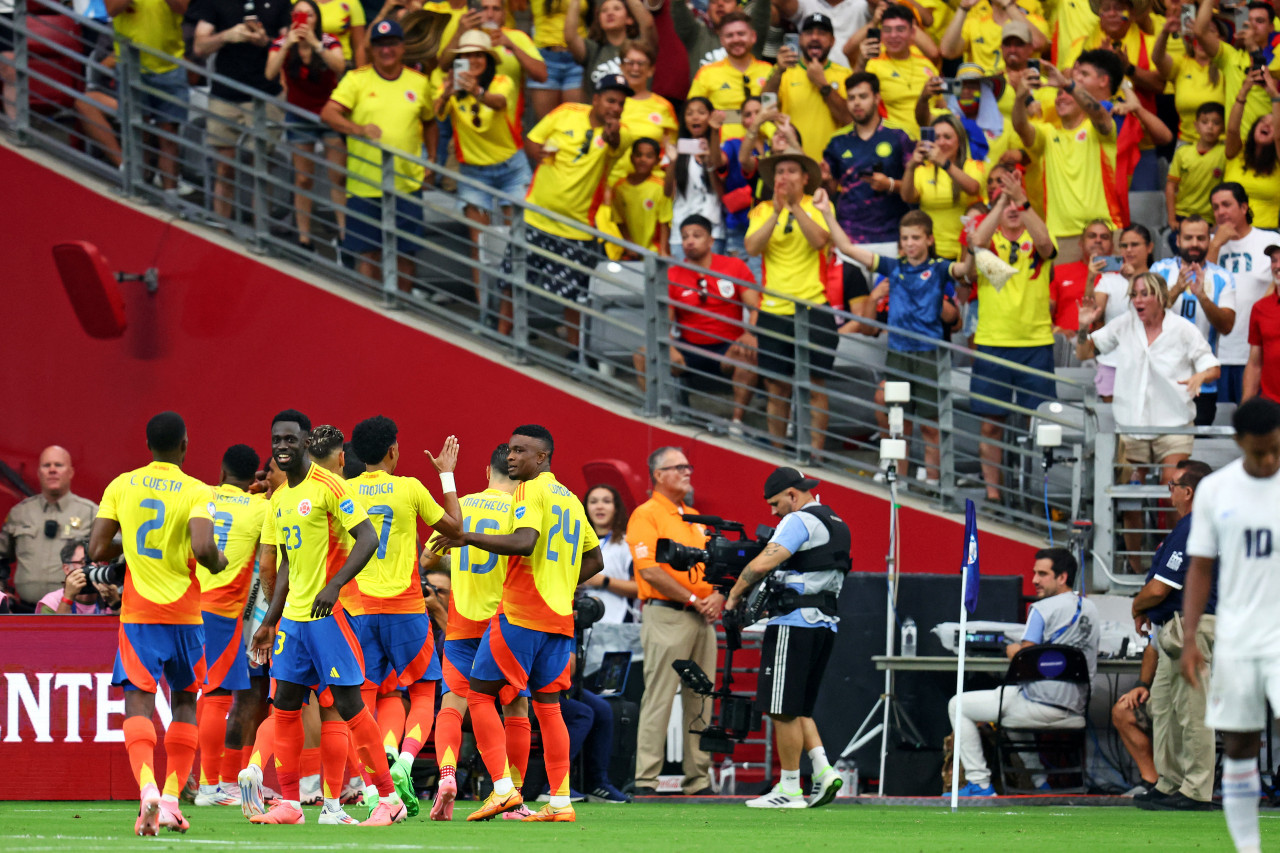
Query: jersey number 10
{"x": 1257, "y": 542}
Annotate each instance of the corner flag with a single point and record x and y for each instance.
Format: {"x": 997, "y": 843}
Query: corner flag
{"x": 970, "y": 568}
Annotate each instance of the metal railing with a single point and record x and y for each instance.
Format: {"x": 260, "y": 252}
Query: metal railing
{"x": 461, "y": 272}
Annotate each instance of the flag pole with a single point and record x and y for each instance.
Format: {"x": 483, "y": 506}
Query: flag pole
{"x": 955, "y": 723}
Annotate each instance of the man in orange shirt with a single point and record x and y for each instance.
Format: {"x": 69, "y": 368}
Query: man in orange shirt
{"x": 680, "y": 608}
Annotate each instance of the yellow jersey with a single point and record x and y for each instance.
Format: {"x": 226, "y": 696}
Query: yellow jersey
{"x": 1069, "y": 20}
{"x": 389, "y": 583}
{"x": 791, "y": 266}
{"x": 1193, "y": 87}
{"x": 442, "y": 7}
{"x": 575, "y": 161}
{"x": 548, "y": 23}
{"x": 944, "y": 206}
{"x": 1235, "y": 64}
{"x": 153, "y": 506}
{"x": 237, "y": 526}
{"x": 1196, "y": 175}
{"x": 538, "y": 592}
{"x": 1263, "y": 190}
{"x": 337, "y": 17}
{"x": 642, "y": 207}
{"x": 981, "y": 36}
{"x": 481, "y": 135}
{"x": 901, "y": 82}
{"x": 800, "y": 99}
{"x": 508, "y": 66}
{"x": 153, "y": 24}
{"x": 1079, "y": 177}
{"x": 651, "y": 118}
{"x": 309, "y": 520}
{"x": 477, "y": 575}
{"x": 399, "y": 107}
{"x": 1016, "y": 315}
{"x": 727, "y": 87}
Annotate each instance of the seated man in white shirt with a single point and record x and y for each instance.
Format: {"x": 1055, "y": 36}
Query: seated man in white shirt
{"x": 1061, "y": 617}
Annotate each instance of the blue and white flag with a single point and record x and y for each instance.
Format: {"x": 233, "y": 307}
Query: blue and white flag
{"x": 970, "y": 568}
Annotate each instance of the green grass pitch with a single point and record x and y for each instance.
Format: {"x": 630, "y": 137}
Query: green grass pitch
{"x": 73, "y": 827}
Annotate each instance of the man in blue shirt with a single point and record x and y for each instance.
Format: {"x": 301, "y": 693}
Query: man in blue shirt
{"x": 809, "y": 557}
{"x": 919, "y": 284}
{"x": 1182, "y": 744}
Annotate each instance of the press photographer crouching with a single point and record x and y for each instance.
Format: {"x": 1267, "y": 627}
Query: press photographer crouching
{"x": 89, "y": 590}
{"x": 796, "y": 581}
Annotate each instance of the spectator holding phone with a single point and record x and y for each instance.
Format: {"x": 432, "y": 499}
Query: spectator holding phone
{"x": 1238, "y": 63}
{"x": 942, "y": 180}
{"x": 310, "y": 62}
{"x": 810, "y": 86}
{"x": 1196, "y": 81}
{"x": 693, "y": 180}
{"x": 1252, "y": 163}
{"x": 902, "y": 71}
{"x": 518, "y": 57}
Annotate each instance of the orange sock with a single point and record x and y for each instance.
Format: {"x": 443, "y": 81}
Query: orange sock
{"x": 448, "y": 740}
{"x": 264, "y": 743}
{"x": 246, "y": 756}
{"x": 334, "y": 738}
{"x": 555, "y": 745}
{"x": 355, "y": 767}
{"x": 289, "y": 737}
{"x": 140, "y": 743}
{"x": 180, "y": 744}
{"x": 391, "y": 717}
{"x": 309, "y": 763}
{"x": 211, "y": 720}
{"x": 519, "y": 733}
{"x": 364, "y": 733}
{"x": 490, "y": 737}
{"x": 230, "y": 767}
{"x": 369, "y": 695}
{"x": 422, "y": 710}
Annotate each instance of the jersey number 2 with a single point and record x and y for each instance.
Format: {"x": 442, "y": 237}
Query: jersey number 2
{"x": 147, "y": 526}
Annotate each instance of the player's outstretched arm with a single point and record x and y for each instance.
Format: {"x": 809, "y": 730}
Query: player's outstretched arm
{"x": 102, "y": 544}
{"x": 1195, "y": 596}
{"x": 204, "y": 546}
{"x": 366, "y": 543}
{"x": 451, "y": 523}
{"x": 260, "y": 647}
{"x": 592, "y": 565}
{"x": 520, "y": 543}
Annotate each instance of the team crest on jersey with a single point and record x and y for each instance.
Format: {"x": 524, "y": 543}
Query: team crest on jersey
{"x": 209, "y": 506}
{"x": 1082, "y": 135}
{"x": 655, "y": 118}
{"x": 1217, "y": 173}
{"x": 519, "y": 513}
{"x": 926, "y": 275}
{"x": 410, "y": 96}
{"x": 883, "y": 149}
{"x": 725, "y": 287}
{"x": 1175, "y": 561}
{"x": 648, "y": 204}
{"x": 347, "y": 506}
{"x": 304, "y": 507}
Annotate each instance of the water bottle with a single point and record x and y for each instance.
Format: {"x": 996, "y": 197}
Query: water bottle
{"x": 909, "y": 638}
{"x": 848, "y": 773}
{"x": 728, "y": 780}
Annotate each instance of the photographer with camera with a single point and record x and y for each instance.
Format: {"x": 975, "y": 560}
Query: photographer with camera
{"x": 676, "y": 623}
{"x": 802, "y": 569}
{"x": 78, "y": 596}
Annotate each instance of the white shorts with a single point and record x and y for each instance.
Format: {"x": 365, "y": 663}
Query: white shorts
{"x": 1238, "y": 693}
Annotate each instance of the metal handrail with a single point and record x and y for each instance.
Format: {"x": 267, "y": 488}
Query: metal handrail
{"x": 454, "y": 272}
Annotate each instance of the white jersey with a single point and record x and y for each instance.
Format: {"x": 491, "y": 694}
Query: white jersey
{"x": 1236, "y": 518}
{"x": 1249, "y": 265}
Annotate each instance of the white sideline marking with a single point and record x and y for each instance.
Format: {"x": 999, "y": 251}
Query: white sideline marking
{"x": 257, "y": 845}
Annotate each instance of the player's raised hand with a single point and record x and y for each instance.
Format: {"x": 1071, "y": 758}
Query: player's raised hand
{"x": 325, "y": 601}
{"x": 447, "y": 461}
{"x": 260, "y": 645}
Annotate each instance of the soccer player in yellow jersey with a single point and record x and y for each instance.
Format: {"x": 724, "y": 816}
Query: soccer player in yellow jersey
{"x": 395, "y": 631}
{"x": 476, "y": 582}
{"x": 529, "y": 643}
{"x": 222, "y": 713}
{"x": 165, "y": 518}
{"x": 315, "y": 644}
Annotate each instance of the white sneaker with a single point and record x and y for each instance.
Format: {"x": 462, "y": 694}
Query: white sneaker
{"x": 824, "y": 787}
{"x": 736, "y": 429}
{"x": 334, "y": 818}
{"x": 212, "y": 795}
{"x": 778, "y": 799}
{"x": 309, "y": 790}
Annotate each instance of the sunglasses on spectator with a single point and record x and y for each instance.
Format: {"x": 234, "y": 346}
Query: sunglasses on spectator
{"x": 1178, "y": 483}
{"x": 683, "y": 469}
{"x": 702, "y": 289}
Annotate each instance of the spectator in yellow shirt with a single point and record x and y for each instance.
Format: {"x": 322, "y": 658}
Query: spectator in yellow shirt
{"x": 943, "y": 180}
{"x": 810, "y": 86}
{"x": 1252, "y": 162}
{"x": 1196, "y": 81}
{"x": 1196, "y": 169}
{"x": 903, "y": 72}
{"x": 641, "y": 206}
{"x": 978, "y": 37}
{"x": 730, "y": 81}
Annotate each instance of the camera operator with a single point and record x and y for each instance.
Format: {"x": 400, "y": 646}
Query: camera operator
{"x": 79, "y": 597}
{"x": 810, "y": 553}
{"x": 676, "y": 623}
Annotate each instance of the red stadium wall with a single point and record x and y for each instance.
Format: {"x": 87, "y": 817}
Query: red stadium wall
{"x": 230, "y": 339}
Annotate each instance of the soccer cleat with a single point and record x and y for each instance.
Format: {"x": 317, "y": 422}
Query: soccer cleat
{"x": 283, "y": 813}
{"x": 309, "y": 791}
{"x": 148, "y": 815}
{"x": 217, "y": 797}
{"x": 402, "y": 776}
{"x": 370, "y": 799}
{"x": 495, "y": 804}
{"x": 336, "y": 818}
{"x": 604, "y": 792}
{"x": 189, "y": 790}
{"x": 824, "y": 787}
{"x": 389, "y": 811}
{"x": 553, "y": 814}
{"x": 520, "y": 812}
{"x": 973, "y": 789}
{"x": 442, "y": 808}
{"x": 778, "y": 799}
{"x": 352, "y": 792}
{"x": 171, "y": 817}
{"x": 250, "y": 782}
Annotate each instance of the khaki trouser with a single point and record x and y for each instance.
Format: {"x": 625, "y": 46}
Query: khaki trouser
{"x": 1182, "y": 744}
{"x": 668, "y": 635}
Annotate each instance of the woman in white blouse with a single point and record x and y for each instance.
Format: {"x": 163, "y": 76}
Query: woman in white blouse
{"x": 615, "y": 586}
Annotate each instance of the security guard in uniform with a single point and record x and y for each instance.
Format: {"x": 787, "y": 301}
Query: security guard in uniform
{"x": 808, "y": 558}
{"x": 33, "y": 535}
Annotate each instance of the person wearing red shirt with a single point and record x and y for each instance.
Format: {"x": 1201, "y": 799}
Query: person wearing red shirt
{"x": 1068, "y": 287}
{"x": 709, "y": 335}
{"x": 1262, "y": 372}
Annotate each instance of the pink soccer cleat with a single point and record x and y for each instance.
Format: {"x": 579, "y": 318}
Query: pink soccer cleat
{"x": 520, "y": 812}
{"x": 390, "y": 810}
{"x": 171, "y": 816}
{"x": 148, "y": 814}
{"x": 281, "y": 812}
{"x": 442, "y": 808}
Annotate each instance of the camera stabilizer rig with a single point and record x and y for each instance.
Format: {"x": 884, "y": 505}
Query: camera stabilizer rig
{"x": 722, "y": 560}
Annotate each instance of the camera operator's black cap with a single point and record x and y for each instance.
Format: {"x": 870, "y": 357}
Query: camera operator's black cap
{"x": 787, "y": 478}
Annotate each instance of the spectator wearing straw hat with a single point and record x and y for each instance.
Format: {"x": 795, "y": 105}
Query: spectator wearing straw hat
{"x": 792, "y": 236}
{"x": 390, "y": 104}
